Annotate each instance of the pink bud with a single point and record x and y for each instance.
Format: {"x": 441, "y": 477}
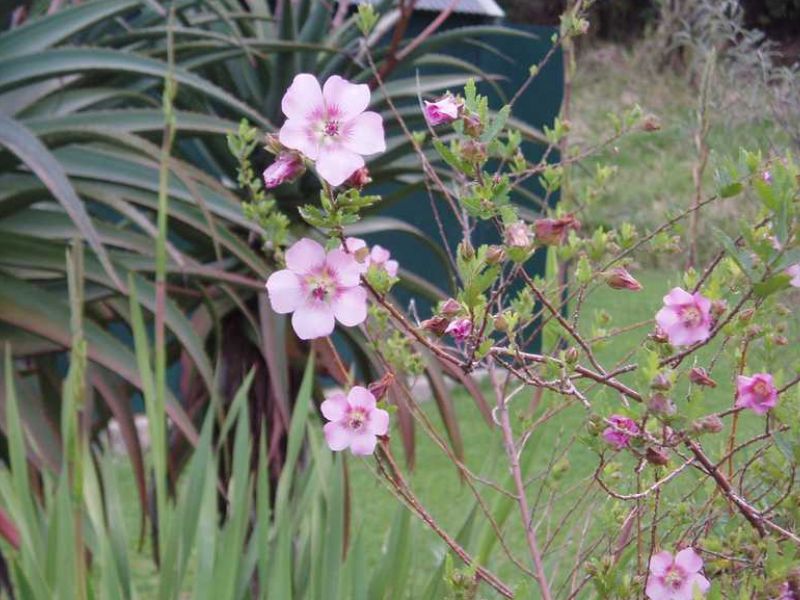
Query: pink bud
{"x": 620, "y": 279}
{"x": 445, "y": 110}
{"x": 451, "y": 307}
{"x": 699, "y": 376}
{"x": 287, "y": 166}
{"x": 460, "y": 329}
{"x": 359, "y": 179}
{"x": 437, "y": 325}
{"x": 381, "y": 386}
{"x": 554, "y": 232}
{"x": 517, "y": 235}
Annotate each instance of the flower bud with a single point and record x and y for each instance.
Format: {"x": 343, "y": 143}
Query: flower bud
{"x": 450, "y": 307}
{"x": 651, "y": 122}
{"x": 381, "y": 386}
{"x": 661, "y": 405}
{"x": 699, "y": 376}
{"x": 746, "y": 315}
{"x": 465, "y": 250}
{"x": 709, "y": 424}
{"x": 766, "y": 177}
{"x": 517, "y": 235}
{"x": 780, "y": 340}
{"x": 753, "y": 331}
{"x": 659, "y": 336}
{"x": 500, "y": 323}
{"x": 273, "y": 144}
{"x": 495, "y": 255}
{"x": 554, "y": 231}
{"x": 460, "y": 329}
{"x": 359, "y": 179}
{"x": 718, "y": 308}
{"x": 445, "y": 110}
{"x": 656, "y": 456}
{"x": 619, "y": 278}
{"x": 437, "y": 325}
{"x": 473, "y": 151}
{"x": 660, "y": 382}
{"x": 472, "y": 125}
{"x": 571, "y": 355}
{"x": 287, "y": 167}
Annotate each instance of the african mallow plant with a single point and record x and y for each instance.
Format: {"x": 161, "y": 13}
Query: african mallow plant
{"x": 651, "y": 459}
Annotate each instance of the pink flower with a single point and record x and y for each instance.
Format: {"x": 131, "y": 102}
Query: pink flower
{"x": 460, "y": 329}
{"x": 518, "y": 235}
{"x": 331, "y": 125}
{"x": 794, "y": 273}
{"x": 445, "y": 110}
{"x": 355, "y": 422}
{"x": 381, "y": 258}
{"x": 620, "y": 279}
{"x": 378, "y": 256}
{"x": 685, "y": 318}
{"x": 757, "y": 393}
{"x": 286, "y": 167}
{"x": 620, "y": 431}
{"x": 676, "y": 579}
{"x": 318, "y": 288}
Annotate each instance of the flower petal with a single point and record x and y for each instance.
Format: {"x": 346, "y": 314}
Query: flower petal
{"x": 378, "y": 422}
{"x": 337, "y": 436}
{"x": 363, "y": 445}
{"x": 336, "y": 163}
{"x": 313, "y": 320}
{"x": 305, "y": 256}
{"x": 334, "y": 407}
{"x": 660, "y": 562}
{"x": 303, "y": 99}
{"x": 285, "y": 291}
{"x": 689, "y": 560}
{"x": 350, "y": 306}
{"x": 678, "y": 296}
{"x": 656, "y": 590}
{"x": 666, "y": 318}
{"x": 298, "y": 135}
{"x": 345, "y": 100}
{"x": 347, "y": 270}
{"x": 697, "y": 581}
{"x": 361, "y": 397}
{"x": 364, "y": 134}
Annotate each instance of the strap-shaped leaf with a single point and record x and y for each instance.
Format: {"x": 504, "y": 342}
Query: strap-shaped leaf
{"x": 27, "y": 147}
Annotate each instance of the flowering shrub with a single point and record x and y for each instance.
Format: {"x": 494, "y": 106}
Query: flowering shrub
{"x": 688, "y": 511}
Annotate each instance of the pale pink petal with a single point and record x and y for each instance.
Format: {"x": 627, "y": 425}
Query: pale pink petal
{"x": 379, "y": 254}
{"x": 335, "y": 164}
{"x": 695, "y": 580}
{"x": 361, "y": 397}
{"x": 656, "y": 590}
{"x": 346, "y": 269}
{"x": 660, "y": 562}
{"x": 364, "y": 134}
{"x": 363, "y": 444}
{"x": 353, "y": 245}
{"x": 313, "y": 320}
{"x": 391, "y": 267}
{"x": 298, "y": 135}
{"x": 681, "y": 336}
{"x": 703, "y": 303}
{"x": 378, "y": 422}
{"x": 305, "y": 256}
{"x": 689, "y": 560}
{"x": 285, "y": 290}
{"x": 666, "y": 318}
{"x": 303, "y": 99}
{"x": 350, "y": 306}
{"x": 678, "y": 296}
{"x": 338, "y": 436}
{"x": 794, "y": 273}
{"x": 334, "y": 407}
{"x": 345, "y": 100}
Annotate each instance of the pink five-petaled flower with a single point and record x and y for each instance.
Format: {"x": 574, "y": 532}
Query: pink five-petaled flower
{"x": 331, "y": 125}
{"x": 355, "y": 421}
{"x": 676, "y": 578}
{"x": 757, "y": 393}
{"x": 794, "y": 273}
{"x": 445, "y": 110}
{"x": 460, "y": 329}
{"x": 378, "y": 256}
{"x": 287, "y": 166}
{"x": 619, "y": 433}
{"x": 318, "y": 287}
{"x": 685, "y": 318}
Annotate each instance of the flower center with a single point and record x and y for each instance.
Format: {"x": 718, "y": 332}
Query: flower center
{"x": 760, "y": 388}
{"x": 674, "y": 577}
{"x": 691, "y": 316}
{"x": 356, "y": 419}
{"x": 321, "y": 286}
{"x": 331, "y": 128}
